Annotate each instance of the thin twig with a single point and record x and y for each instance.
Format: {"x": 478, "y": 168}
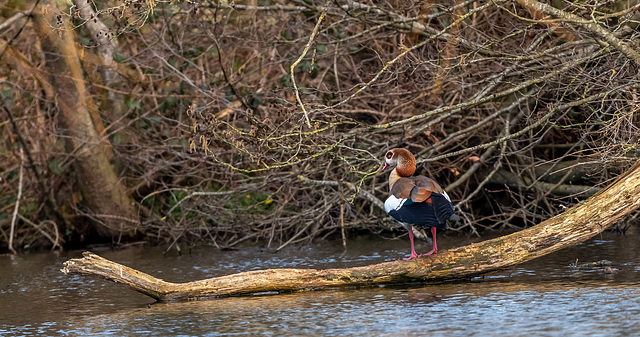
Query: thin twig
{"x": 543, "y": 119}
{"x": 591, "y": 26}
{"x": 15, "y": 209}
{"x": 55, "y": 242}
{"x": 295, "y": 64}
{"x": 12, "y": 19}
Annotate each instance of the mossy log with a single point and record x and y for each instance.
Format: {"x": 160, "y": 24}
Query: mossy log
{"x": 577, "y": 224}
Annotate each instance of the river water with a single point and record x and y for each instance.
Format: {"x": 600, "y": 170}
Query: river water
{"x": 543, "y": 297}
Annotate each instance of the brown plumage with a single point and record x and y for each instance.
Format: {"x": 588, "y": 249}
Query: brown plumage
{"x": 418, "y": 189}
{"x": 402, "y": 184}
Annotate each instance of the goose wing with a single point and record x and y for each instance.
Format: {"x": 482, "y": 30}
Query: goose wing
{"x": 418, "y": 189}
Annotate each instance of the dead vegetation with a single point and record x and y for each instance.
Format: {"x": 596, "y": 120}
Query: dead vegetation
{"x": 266, "y": 120}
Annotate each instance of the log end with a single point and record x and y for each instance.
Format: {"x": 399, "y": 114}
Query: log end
{"x": 81, "y": 265}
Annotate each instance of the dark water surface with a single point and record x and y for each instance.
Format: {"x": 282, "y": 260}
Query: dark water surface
{"x": 544, "y": 297}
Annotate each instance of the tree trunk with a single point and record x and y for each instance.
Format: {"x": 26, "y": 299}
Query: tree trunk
{"x": 102, "y": 192}
{"x": 577, "y": 224}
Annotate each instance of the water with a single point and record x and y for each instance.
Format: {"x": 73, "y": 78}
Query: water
{"x": 544, "y": 297}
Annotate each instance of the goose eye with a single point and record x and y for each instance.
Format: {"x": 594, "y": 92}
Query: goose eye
{"x": 389, "y": 155}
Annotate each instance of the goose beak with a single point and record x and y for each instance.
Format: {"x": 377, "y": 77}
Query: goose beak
{"x": 384, "y": 167}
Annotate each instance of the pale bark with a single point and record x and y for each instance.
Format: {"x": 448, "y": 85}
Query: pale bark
{"x": 105, "y": 43}
{"x": 577, "y": 224}
{"x": 104, "y": 195}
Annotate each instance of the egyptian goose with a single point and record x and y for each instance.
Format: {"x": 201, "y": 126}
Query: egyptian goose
{"x": 418, "y": 201}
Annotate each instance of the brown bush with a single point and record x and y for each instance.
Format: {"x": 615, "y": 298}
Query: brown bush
{"x": 522, "y": 109}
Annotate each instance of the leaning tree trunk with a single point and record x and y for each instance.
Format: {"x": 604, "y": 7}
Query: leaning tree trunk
{"x": 577, "y": 224}
{"x": 103, "y": 193}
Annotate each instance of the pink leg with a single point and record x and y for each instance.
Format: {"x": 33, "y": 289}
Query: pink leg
{"x": 413, "y": 250}
{"x": 435, "y": 245}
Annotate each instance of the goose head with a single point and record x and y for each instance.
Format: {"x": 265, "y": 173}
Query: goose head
{"x": 403, "y": 161}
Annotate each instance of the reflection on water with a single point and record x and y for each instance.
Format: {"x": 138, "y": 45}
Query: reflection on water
{"x": 544, "y": 297}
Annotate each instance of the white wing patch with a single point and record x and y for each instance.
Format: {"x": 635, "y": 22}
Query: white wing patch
{"x": 393, "y": 203}
{"x": 447, "y": 196}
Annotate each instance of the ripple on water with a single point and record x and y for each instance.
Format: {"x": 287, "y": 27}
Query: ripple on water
{"x": 543, "y": 297}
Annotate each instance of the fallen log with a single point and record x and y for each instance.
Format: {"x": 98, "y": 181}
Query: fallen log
{"x": 577, "y": 224}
